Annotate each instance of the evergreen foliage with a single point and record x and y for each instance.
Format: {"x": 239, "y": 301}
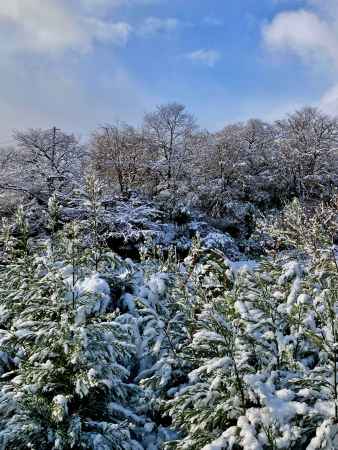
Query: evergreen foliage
{"x": 66, "y": 353}
{"x": 99, "y": 352}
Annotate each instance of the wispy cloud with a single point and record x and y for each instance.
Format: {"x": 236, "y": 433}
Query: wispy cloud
{"x": 204, "y": 56}
{"x": 96, "y": 6}
{"x": 154, "y": 25}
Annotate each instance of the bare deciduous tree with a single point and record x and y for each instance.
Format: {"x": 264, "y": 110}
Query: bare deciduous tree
{"x": 238, "y": 159}
{"x": 169, "y": 133}
{"x": 43, "y": 161}
{"x": 118, "y": 154}
{"x": 227, "y": 156}
{"x": 307, "y": 143}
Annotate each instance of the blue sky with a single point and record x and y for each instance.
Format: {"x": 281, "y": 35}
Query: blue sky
{"x": 81, "y": 63}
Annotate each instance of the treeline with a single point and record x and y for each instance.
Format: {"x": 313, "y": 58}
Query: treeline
{"x": 255, "y": 161}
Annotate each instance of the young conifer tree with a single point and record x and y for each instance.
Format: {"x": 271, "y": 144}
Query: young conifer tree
{"x": 93, "y": 193}
{"x": 66, "y": 384}
{"x": 53, "y": 223}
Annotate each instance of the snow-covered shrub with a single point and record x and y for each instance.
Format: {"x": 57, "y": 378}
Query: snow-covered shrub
{"x": 308, "y": 229}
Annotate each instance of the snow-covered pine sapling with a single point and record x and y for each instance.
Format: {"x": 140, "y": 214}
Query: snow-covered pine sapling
{"x": 15, "y": 251}
{"x": 216, "y": 394}
{"x": 73, "y": 256}
{"x": 261, "y": 297}
{"x": 17, "y": 274}
{"x": 207, "y": 275}
{"x": 162, "y": 332}
{"x": 70, "y": 388}
{"x": 22, "y": 229}
{"x": 311, "y": 234}
{"x": 323, "y": 286}
{"x": 54, "y": 210}
{"x": 7, "y": 241}
{"x": 14, "y": 283}
{"x": 93, "y": 193}
{"x": 242, "y": 360}
{"x": 169, "y": 320}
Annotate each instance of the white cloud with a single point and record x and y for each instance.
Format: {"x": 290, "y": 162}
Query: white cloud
{"x": 44, "y": 51}
{"x": 153, "y": 25}
{"x": 53, "y": 26}
{"x": 312, "y": 35}
{"x": 43, "y": 94}
{"x": 329, "y": 101}
{"x": 116, "y": 33}
{"x": 208, "y": 57}
{"x": 303, "y": 33}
